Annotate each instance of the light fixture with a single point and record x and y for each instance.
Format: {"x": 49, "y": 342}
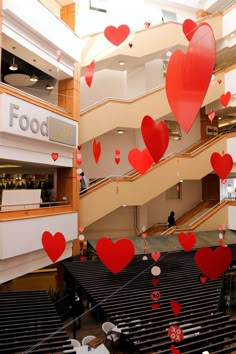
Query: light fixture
{"x": 13, "y": 66}
{"x": 219, "y": 118}
{"x": 33, "y": 78}
{"x": 120, "y": 131}
{"x": 121, "y": 62}
{"x": 49, "y": 87}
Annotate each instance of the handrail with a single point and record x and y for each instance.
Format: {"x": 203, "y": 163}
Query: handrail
{"x": 169, "y": 156}
{"x": 59, "y": 203}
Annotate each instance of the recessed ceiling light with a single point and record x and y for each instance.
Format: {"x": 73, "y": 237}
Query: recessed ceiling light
{"x": 120, "y": 131}
{"x": 33, "y": 78}
{"x": 121, "y": 62}
{"x": 234, "y": 95}
{"x": 232, "y": 35}
{"x": 49, "y": 87}
{"x": 219, "y": 118}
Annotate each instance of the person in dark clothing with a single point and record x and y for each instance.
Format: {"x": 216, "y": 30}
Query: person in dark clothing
{"x": 171, "y": 219}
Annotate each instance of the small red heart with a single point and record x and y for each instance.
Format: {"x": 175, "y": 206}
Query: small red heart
{"x": 225, "y": 98}
{"x": 219, "y": 81}
{"x": 117, "y": 35}
{"x": 96, "y": 150}
{"x": 221, "y": 242}
{"x": 54, "y": 245}
{"x": 213, "y": 263}
{"x": 89, "y": 71}
{"x": 144, "y": 235}
{"x": 155, "y": 306}
{"x": 156, "y": 256}
{"x": 222, "y": 165}
{"x": 141, "y": 161}
{"x": 155, "y": 282}
{"x": 203, "y": 279}
{"x": 187, "y": 241}
{"x": 117, "y": 160}
{"x": 54, "y": 156}
{"x": 130, "y": 45}
{"x": 79, "y": 162}
{"x": 174, "y": 350}
{"x": 79, "y": 147}
{"x": 117, "y": 152}
{"x": 82, "y": 258}
{"x": 211, "y": 115}
{"x": 81, "y": 229}
{"x": 155, "y": 136}
{"x": 115, "y": 256}
{"x": 147, "y": 24}
{"x": 176, "y": 307}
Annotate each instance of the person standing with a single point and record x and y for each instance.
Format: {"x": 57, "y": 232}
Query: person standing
{"x": 171, "y": 219}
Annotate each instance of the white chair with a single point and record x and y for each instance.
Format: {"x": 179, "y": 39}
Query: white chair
{"x": 111, "y": 336}
{"x": 87, "y": 339}
{"x": 75, "y": 343}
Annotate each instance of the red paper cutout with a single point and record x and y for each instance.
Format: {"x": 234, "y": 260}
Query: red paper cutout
{"x": 155, "y": 306}
{"x": 187, "y": 241}
{"x": 130, "y": 45}
{"x": 190, "y": 27}
{"x": 89, "y": 71}
{"x": 81, "y": 229}
{"x": 117, "y": 35}
{"x": 175, "y": 333}
{"x": 219, "y": 81}
{"x": 225, "y": 98}
{"x": 156, "y": 137}
{"x": 174, "y": 350}
{"x": 54, "y": 156}
{"x": 176, "y": 307}
{"x": 141, "y": 161}
{"x": 96, "y": 150}
{"x": 189, "y": 75}
{"x": 54, "y": 245}
{"x": 82, "y": 258}
{"x": 213, "y": 263}
{"x": 155, "y": 295}
{"x": 117, "y": 152}
{"x": 155, "y": 282}
{"x": 147, "y": 24}
{"x": 221, "y": 242}
{"x": 79, "y": 147}
{"x": 222, "y": 165}
{"x": 211, "y": 115}
{"x": 115, "y": 256}
{"x": 117, "y": 160}
{"x": 144, "y": 235}
{"x": 203, "y": 279}
{"x": 156, "y": 256}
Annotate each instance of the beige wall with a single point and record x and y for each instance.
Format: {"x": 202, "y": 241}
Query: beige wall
{"x": 219, "y": 218}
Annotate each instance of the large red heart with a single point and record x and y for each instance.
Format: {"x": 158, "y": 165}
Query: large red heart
{"x": 141, "y": 161}
{"x": 222, "y": 165}
{"x": 54, "y": 156}
{"x": 96, "y": 150}
{"x": 225, "y": 98}
{"x": 115, "y": 256}
{"x": 89, "y": 71}
{"x": 188, "y": 76}
{"x": 187, "y": 241}
{"x": 54, "y": 245}
{"x": 117, "y": 35}
{"x": 156, "y": 137}
{"x": 174, "y": 350}
{"x": 190, "y": 27}
{"x": 213, "y": 263}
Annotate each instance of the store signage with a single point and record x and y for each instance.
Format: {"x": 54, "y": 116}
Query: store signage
{"x": 25, "y": 119}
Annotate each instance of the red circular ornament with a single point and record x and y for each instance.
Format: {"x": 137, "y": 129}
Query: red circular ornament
{"x": 175, "y": 333}
{"x": 155, "y": 295}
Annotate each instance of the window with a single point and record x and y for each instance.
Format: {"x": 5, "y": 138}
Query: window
{"x": 168, "y": 16}
{"x": 98, "y": 5}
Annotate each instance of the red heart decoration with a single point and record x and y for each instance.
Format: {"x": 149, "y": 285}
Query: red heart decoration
{"x": 115, "y": 256}
{"x": 219, "y": 81}
{"x": 176, "y": 307}
{"x": 54, "y": 156}
{"x": 190, "y": 27}
{"x": 89, "y": 71}
{"x": 55, "y": 245}
{"x": 213, "y": 263}
{"x": 81, "y": 229}
{"x": 155, "y": 306}
{"x": 187, "y": 241}
{"x": 211, "y": 115}
{"x": 117, "y": 152}
{"x": 174, "y": 350}
{"x": 117, "y": 160}
{"x": 225, "y": 98}
{"x": 79, "y": 147}
{"x": 221, "y": 242}
{"x": 96, "y": 150}
{"x": 156, "y": 137}
{"x": 130, "y": 45}
{"x": 144, "y": 235}
{"x": 222, "y": 165}
{"x": 155, "y": 282}
{"x": 189, "y": 75}
{"x": 203, "y": 279}
{"x": 156, "y": 256}
{"x": 117, "y": 35}
{"x": 147, "y": 24}
{"x": 141, "y": 161}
